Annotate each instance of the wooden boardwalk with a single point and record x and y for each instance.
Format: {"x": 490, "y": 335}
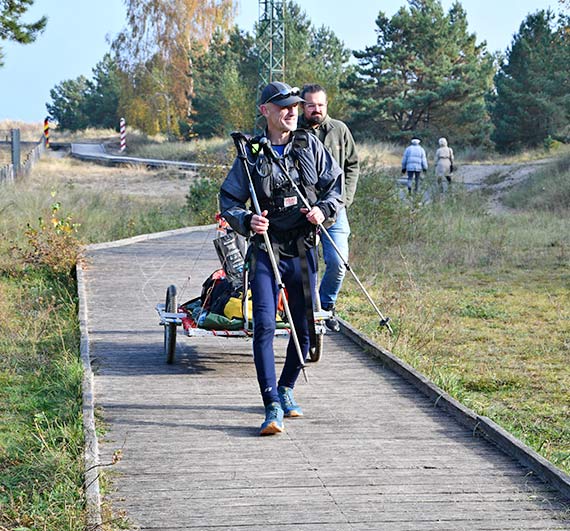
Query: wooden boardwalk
{"x": 371, "y": 453}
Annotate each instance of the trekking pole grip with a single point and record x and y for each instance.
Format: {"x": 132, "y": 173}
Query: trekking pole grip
{"x": 239, "y": 141}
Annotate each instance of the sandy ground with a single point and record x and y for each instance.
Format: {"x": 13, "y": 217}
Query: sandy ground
{"x": 498, "y": 178}
{"x": 173, "y": 183}
{"x": 135, "y": 180}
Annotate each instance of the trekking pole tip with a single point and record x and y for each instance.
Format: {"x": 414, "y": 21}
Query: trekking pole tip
{"x": 386, "y": 322}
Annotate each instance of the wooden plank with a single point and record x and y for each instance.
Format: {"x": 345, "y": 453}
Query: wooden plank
{"x": 371, "y": 452}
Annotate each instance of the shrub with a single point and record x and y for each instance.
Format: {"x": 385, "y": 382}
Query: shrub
{"x": 51, "y": 245}
{"x": 202, "y": 197}
{"x": 202, "y": 200}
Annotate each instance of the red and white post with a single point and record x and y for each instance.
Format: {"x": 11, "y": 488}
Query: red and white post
{"x": 123, "y": 129}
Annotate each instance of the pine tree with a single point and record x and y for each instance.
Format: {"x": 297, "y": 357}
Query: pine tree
{"x": 81, "y": 102}
{"x": 315, "y": 55}
{"x": 225, "y": 80}
{"x": 532, "y": 100}
{"x": 101, "y": 106}
{"x": 13, "y": 29}
{"x": 425, "y": 74}
{"x": 68, "y": 99}
{"x": 228, "y": 72}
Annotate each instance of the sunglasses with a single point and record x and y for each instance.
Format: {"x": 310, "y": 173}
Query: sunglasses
{"x": 283, "y": 94}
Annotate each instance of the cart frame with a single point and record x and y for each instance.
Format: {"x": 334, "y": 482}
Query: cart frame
{"x": 171, "y": 318}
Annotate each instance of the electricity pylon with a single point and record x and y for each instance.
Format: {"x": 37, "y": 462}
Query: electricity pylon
{"x": 271, "y": 46}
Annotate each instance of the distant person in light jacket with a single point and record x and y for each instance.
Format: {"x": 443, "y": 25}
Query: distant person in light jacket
{"x": 443, "y": 163}
{"x": 414, "y": 162}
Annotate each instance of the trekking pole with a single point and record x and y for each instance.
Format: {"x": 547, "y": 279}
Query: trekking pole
{"x": 239, "y": 139}
{"x": 266, "y": 146}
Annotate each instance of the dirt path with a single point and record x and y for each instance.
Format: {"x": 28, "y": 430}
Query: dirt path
{"x": 497, "y": 178}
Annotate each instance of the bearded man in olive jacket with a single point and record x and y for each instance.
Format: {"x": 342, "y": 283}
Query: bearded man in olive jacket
{"x": 337, "y": 138}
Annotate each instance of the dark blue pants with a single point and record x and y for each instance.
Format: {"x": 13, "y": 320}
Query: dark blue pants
{"x": 414, "y": 175}
{"x": 264, "y": 293}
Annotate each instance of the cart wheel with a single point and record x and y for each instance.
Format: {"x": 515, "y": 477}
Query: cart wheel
{"x": 170, "y": 328}
{"x": 318, "y": 352}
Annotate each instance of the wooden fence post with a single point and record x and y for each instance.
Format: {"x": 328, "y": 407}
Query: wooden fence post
{"x": 16, "y": 151}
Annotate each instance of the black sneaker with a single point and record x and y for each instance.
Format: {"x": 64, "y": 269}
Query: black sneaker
{"x": 332, "y": 324}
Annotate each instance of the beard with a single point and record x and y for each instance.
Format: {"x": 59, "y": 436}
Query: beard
{"x": 316, "y": 119}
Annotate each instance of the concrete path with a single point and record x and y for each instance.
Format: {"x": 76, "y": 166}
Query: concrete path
{"x": 372, "y": 453}
{"x": 97, "y": 153}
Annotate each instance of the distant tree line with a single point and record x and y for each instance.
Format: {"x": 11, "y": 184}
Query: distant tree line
{"x": 530, "y": 103}
{"x": 182, "y": 71}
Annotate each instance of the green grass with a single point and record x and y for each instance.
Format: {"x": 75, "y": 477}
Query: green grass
{"x": 41, "y": 437}
{"x": 480, "y": 303}
{"x": 41, "y": 434}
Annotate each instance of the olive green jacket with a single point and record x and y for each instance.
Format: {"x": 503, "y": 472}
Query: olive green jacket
{"x": 337, "y": 138}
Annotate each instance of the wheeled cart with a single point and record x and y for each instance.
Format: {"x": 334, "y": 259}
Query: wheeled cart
{"x": 172, "y": 316}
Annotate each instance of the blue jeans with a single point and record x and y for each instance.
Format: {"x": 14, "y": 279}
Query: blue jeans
{"x": 334, "y": 265}
{"x": 264, "y": 295}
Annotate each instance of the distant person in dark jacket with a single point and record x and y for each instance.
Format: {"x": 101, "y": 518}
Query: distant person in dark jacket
{"x": 443, "y": 163}
{"x": 414, "y": 162}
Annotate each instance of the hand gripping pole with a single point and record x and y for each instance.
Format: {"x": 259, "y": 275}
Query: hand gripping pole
{"x": 239, "y": 141}
{"x": 266, "y": 146}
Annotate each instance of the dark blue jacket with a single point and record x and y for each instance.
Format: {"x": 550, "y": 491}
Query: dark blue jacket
{"x": 313, "y": 169}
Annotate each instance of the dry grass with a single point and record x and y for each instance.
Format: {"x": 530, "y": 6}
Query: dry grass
{"x": 29, "y": 132}
{"x": 85, "y": 135}
{"x": 380, "y": 154}
{"x": 65, "y": 173}
{"x": 5, "y": 155}
{"x": 108, "y": 202}
{"x": 527, "y": 155}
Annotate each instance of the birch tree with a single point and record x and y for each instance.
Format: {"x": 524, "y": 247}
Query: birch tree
{"x": 154, "y": 53}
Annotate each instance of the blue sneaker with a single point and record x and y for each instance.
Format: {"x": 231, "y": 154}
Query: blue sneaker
{"x": 290, "y": 407}
{"x": 273, "y": 420}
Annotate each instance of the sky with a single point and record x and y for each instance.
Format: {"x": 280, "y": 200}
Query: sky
{"x": 78, "y": 32}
